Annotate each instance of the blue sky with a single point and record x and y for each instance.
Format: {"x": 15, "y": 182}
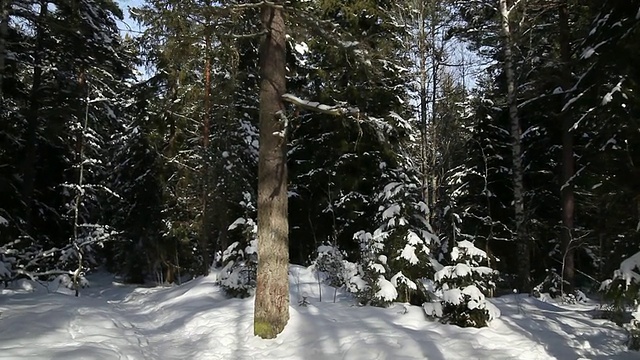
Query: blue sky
{"x": 124, "y": 5}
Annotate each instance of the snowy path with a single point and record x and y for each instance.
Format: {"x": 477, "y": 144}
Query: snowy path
{"x": 196, "y": 321}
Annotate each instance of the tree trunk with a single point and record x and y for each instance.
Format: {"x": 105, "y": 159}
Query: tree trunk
{"x": 33, "y": 120}
{"x": 83, "y": 120}
{"x": 4, "y": 34}
{"x": 568, "y": 169}
{"x": 522, "y": 243}
{"x": 424, "y": 143}
{"x": 206, "y": 229}
{"x": 272, "y": 290}
{"x": 433, "y": 126}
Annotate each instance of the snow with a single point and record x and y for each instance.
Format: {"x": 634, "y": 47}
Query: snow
{"x": 301, "y": 48}
{"x": 391, "y": 211}
{"x": 630, "y": 268}
{"x": 471, "y": 250}
{"x": 588, "y": 52}
{"x": 461, "y": 270}
{"x": 387, "y": 291}
{"x": 5, "y": 270}
{"x": 399, "y": 279}
{"x": 608, "y": 97}
{"x": 197, "y": 321}
{"x": 409, "y": 254}
{"x": 452, "y": 296}
{"x": 378, "y": 268}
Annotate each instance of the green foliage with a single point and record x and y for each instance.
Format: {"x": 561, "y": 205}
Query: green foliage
{"x": 238, "y": 274}
{"x": 334, "y": 270}
{"x": 623, "y": 292}
{"x": 552, "y": 284}
{"x": 634, "y": 335}
{"x": 623, "y": 289}
{"x": 465, "y": 284}
{"x": 460, "y": 315}
{"x": 62, "y": 87}
{"x": 240, "y": 260}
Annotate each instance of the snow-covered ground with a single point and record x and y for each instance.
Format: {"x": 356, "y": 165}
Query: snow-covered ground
{"x": 197, "y": 321}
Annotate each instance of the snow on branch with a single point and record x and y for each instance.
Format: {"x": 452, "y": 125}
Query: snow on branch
{"x": 256, "y": 5}
{"x": 335, "y": 110}
{"x": 249, "y": 36}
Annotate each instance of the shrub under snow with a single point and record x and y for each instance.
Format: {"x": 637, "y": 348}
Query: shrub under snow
{"x": 240, "y": 264}
{"x": 397, "y": 255}
{"x": 624, "y": 291}
{"x": 332, "y": 267}
{"x": 463, "y": 285}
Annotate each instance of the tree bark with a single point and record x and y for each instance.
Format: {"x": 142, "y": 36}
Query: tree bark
{"x": 206, "y": 229}
{"x": 33, "y": 120}
{"x": 424, "y": 143}
{"x": 522, "y": 243}
{"x": 568, "y": 167}
{"x": 83, "y": 119}
{"x": 4, "y": 34}
{"x": 272, "y": 290}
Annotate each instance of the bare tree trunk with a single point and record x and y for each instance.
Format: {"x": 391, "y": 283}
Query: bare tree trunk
{"x": 206, "y": 229}
{"x": 4, "y": 33}
{"x": 424, "y": 143}
{"x": 568, "y": 168}
{"x": 272, "y": 290}
{"x": 33, "y": 120}
{"x": 82, "y": 85}
{"x": 434, "y": 125}
{"x": 522, "y": 243}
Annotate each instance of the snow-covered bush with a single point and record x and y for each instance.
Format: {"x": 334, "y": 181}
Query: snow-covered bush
{"x": 464, "y": 285}
{"x": 398, "y": 254}
{"x": 370, "y": 284}
{"x": 623, "y": 290}
{"x": 7, "y": 263}
{"x": 66, "y": 280}
{"x": 332, "y": 267}
{"x": 634, "y": 330}
{"x": 5, "y": 269}
{"x": 240, "y": 263}
{"x": 552, "y": 284}
{"x": 25, "y": 258}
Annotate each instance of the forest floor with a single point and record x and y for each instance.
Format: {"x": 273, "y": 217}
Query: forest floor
{"x": 196, "y": 320}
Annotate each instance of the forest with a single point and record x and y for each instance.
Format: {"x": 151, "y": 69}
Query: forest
{"x": 405, "y": 149}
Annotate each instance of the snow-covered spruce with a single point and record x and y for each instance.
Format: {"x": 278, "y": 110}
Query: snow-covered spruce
{"x": 623, "y": 290}
{"x": 240, "y": 263}
{"x": 369, "y": 284}
{"x": 552, "y": 284}
{"x": 464, "y": 285}
{"x": 398, "y": 254}
{"x": 332, "y": 268}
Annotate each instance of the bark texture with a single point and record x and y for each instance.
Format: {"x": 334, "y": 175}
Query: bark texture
{"x": 206, "y": 178}
{"x": 522, "y": 243}
{"x": 568, "y": 165}
{"x": 272, "y": 288}
{"x": 33, "y": 121}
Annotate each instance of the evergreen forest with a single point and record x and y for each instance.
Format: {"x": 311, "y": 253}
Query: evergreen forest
{"x": 471, "y": 148}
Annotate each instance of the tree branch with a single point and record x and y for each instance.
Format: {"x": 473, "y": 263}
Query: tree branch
{"x": 249, "y": 36}
{"x": 241, "y": 7}
{"x": 334, "y": 110}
